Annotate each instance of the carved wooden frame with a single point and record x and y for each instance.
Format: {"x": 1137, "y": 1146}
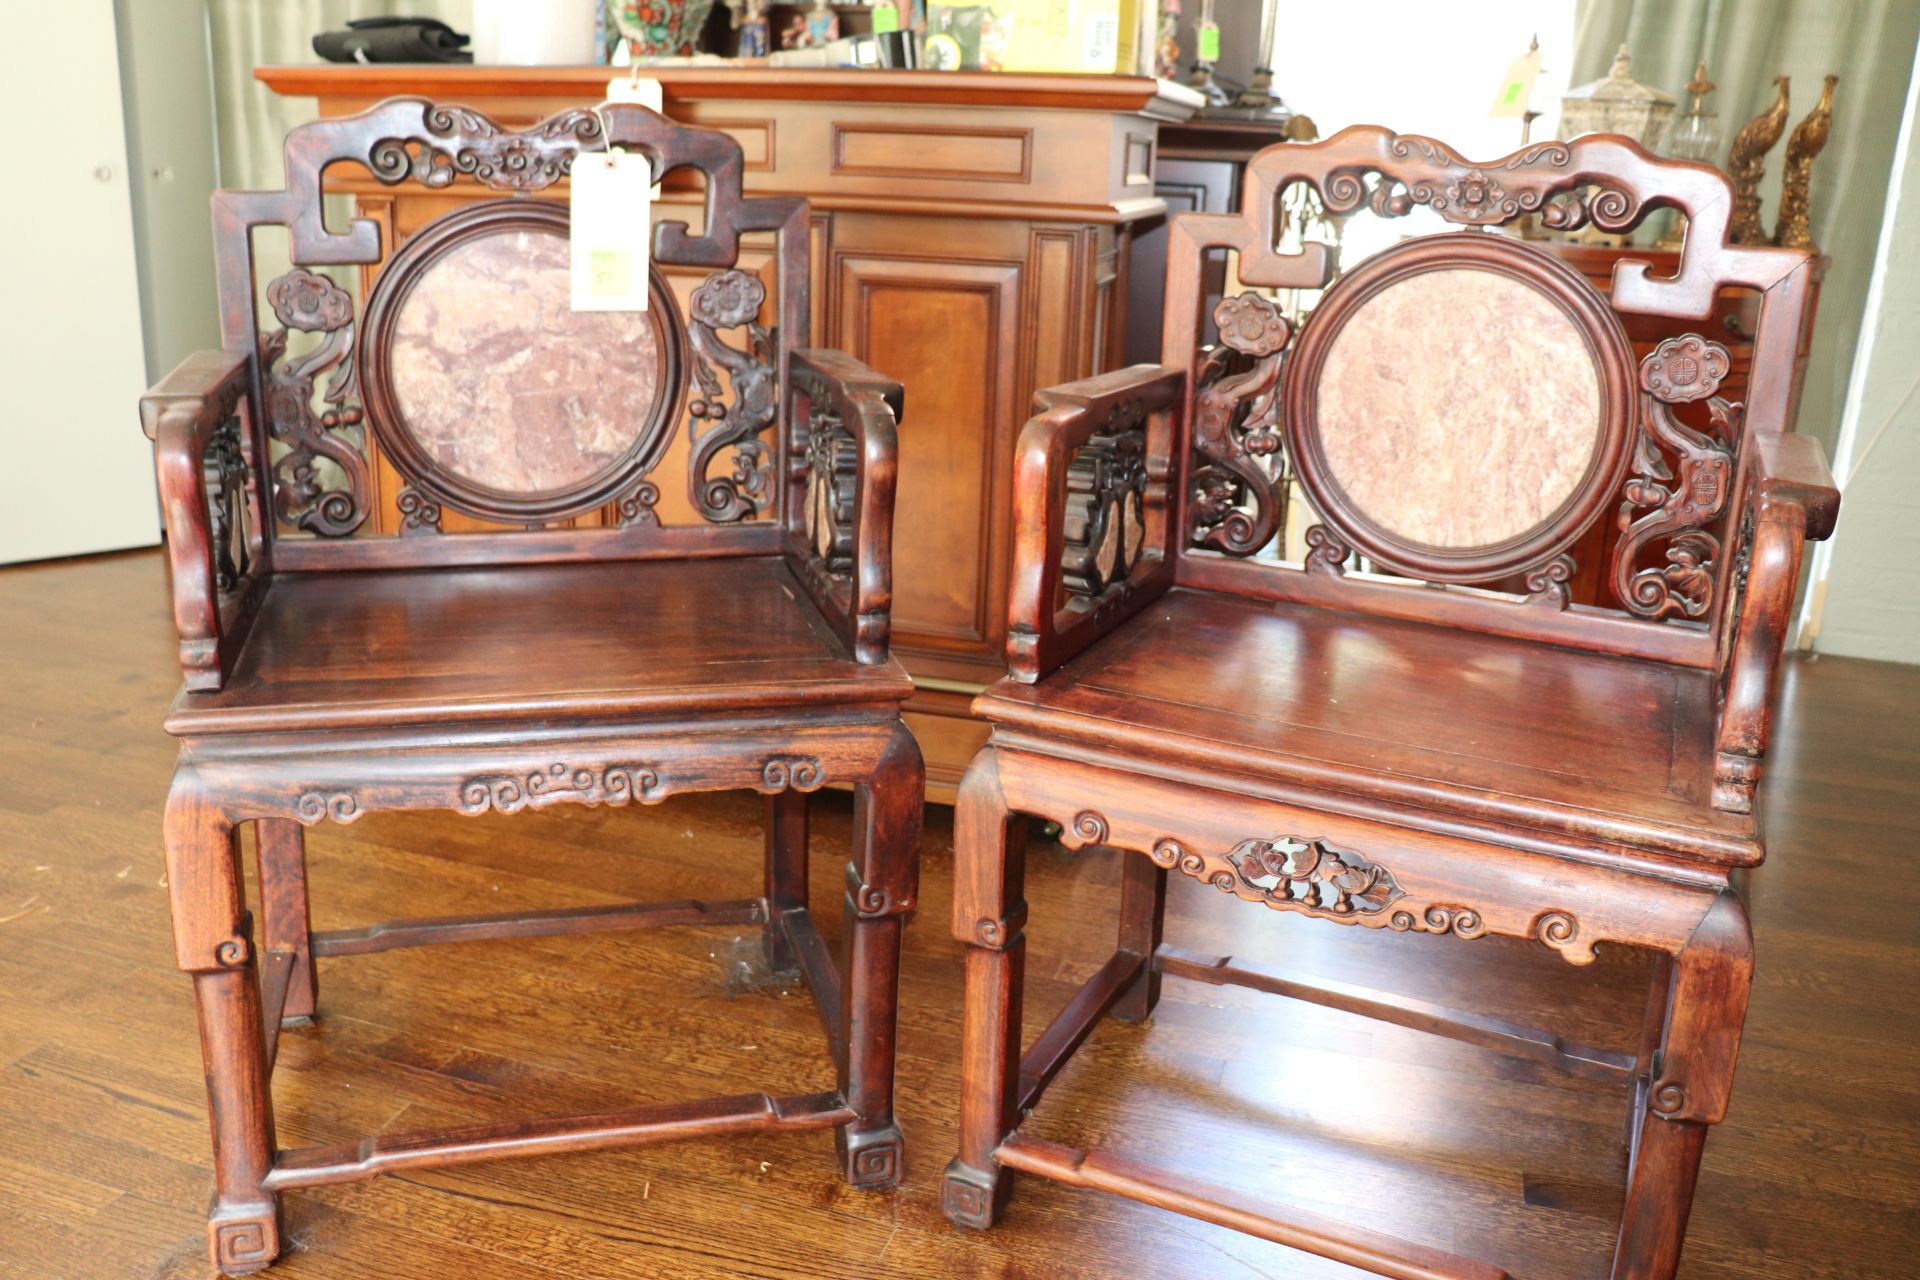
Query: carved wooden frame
{"x": 404, "y": 271}
{"x": 1592, "y": 318}
{"x": 1609, "y": 181}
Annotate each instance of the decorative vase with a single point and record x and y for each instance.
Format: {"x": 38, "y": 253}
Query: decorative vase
{"x": 660, "y": 28}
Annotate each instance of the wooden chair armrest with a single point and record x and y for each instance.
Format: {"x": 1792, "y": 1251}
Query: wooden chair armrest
{"x": 1790, "y": 470}
{"x": 1042, "y": 631}
{"x": 1792, "y": 499}
{"x": 867, "y": 407}
{"x": 187, "y": 415}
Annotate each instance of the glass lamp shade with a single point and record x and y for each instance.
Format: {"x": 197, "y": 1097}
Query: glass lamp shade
{"x": 1696, "y": 136}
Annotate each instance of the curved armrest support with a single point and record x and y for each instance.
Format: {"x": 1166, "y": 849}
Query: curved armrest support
{"x": 192, "y": 416}
{"x": 849, "y": 457}
{"x": 1101, "y": 433}
{"x": 1792, "y": 499}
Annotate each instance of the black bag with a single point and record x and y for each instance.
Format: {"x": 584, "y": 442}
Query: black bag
{"x": 393, "y": 40}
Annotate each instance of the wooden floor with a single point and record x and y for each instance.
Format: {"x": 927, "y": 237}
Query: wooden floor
{"x": 103, "y": 1146}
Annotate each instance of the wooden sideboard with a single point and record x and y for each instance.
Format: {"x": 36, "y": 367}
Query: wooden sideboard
{"x": 971, "y": 237}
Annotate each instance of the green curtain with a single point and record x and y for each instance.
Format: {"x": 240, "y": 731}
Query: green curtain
{"x": 250, "y": 120}
{"x": 1869, "y": 44}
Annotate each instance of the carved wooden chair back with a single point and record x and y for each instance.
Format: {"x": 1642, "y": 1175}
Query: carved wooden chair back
{"x": 483, "y": 389}
{"x": 1457, "y": 409}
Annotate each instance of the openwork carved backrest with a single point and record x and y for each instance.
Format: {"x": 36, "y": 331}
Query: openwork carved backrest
{"x": 476, "y": 380}
{"x": 1466, "y": 409}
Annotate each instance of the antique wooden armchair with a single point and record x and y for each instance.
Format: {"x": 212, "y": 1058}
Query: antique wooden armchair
{"x": 1368, "y": 732}
{"x": 575, "y": 648}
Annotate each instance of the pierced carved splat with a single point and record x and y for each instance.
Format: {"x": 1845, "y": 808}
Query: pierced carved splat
{"x": 224, "y": 467}
{"x": 1289, "y": 874}
{"x": 460, "y": 140}
{"x": 1104, "y": 528}
{"x": 1236, "y": 500}
{"x": 1440, "y": 178}
{"x": 1679, "y": 370}
{"x": 729, "y": 300}
{"x": 302, "y": 496}
{"x": 833, "y": 476}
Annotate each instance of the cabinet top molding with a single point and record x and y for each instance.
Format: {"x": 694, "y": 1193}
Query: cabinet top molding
{"x": 1156, "y": 99}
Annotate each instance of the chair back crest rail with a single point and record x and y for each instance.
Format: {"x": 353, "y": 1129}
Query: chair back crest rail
{"x": 326, "y": 375}
{"x": 1459, "y": 408}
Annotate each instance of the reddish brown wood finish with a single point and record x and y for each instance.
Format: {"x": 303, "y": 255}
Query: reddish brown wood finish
{"x": 510, "y": 671}
{"x": 1399, "y": 755}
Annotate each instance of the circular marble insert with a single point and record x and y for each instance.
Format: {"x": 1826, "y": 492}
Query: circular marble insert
{"x": 502, "y": 383}
{"x": 1459, "y": 408}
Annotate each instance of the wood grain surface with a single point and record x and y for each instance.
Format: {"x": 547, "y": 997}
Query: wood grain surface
{"x": 104, "y": 1167}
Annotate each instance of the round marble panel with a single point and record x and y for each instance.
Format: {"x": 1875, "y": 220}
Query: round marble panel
{"x": 1459, "y": 408}
{"x": 502, "y": 383}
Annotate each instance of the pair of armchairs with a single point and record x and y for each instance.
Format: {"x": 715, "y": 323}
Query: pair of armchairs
{"x": 1369, "y": 736}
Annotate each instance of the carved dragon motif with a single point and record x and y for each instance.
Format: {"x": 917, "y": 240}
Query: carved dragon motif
{"x": 1679, "y": 370}
{"x": 314, "y": 304}
{"x": 728, "y": 300}
{"x": 1237, "y": 502}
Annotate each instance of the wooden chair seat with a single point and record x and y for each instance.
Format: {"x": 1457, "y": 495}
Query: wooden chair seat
{"x": 335, "y": 651}
{"x": 1346, "y": 705}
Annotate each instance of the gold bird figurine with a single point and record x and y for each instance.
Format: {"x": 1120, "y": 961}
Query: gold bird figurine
{"x": 1791, "y": 229}
{"x": 1746, "y": 165}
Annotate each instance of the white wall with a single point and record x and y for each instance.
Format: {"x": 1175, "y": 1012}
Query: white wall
{"x": 1865, "y": 596}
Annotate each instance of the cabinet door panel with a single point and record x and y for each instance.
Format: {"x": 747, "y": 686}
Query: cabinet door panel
{"x": 949, "y": 332}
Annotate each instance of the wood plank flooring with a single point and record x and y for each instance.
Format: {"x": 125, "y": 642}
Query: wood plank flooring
{"x": 103, "y": 1147}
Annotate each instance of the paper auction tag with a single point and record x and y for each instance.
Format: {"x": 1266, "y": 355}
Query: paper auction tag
{"x": 1208, "y": 43}
{"x": 1516, "y": 91}
{"x": 612, "y": 223}
{"x": 634, "y": 89}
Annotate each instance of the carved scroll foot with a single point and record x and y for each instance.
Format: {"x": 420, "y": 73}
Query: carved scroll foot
{"x": 243, "y": 1238}
{"x": 873, "y": 1160}
{"x": 972, "y": 1198}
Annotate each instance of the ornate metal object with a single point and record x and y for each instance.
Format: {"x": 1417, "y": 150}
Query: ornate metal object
{"x": 1746, "y": 165}
{"x": 729, "y": 300}
{"x": 1104, "y": 529}
{"x": 1679, "y": 370}
{"x": 302, "y": 496}
{"x": 1237, "y": 500}
{"x": 1791, "y": 229}
{"x": 462, "y": 141}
